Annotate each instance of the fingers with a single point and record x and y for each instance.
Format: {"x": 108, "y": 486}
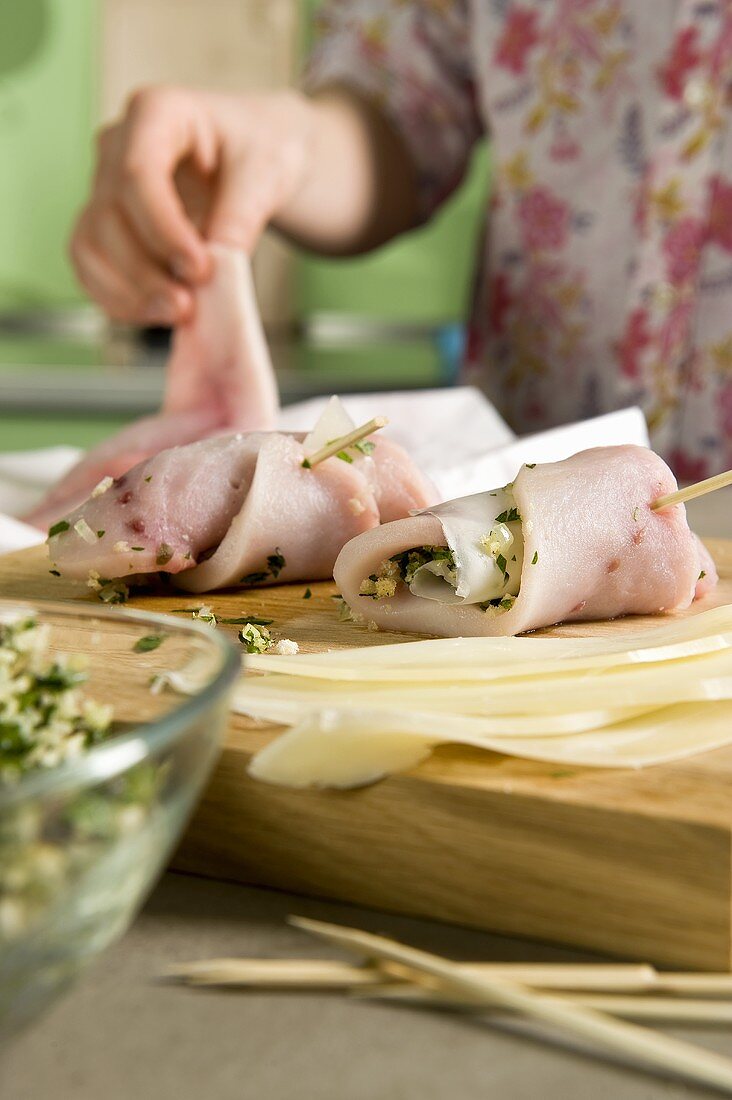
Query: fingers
{"x": 252, "y": 188}
{"x": 162, "y": 128}
{"x": 115, "y": 269}
{"x": 134, "y": 245}
{"x": 181, "y": 162}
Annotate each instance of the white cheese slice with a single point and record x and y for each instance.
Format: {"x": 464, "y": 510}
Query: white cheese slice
{"x": 667, "y": 696}
{"x": 706, "y": 677}
{"x": 480, "y": 546}
{"x": 333, "y": 422}
{"x": 347, "y": 749}
{"x": 458, "y": 659}
{"x": 289, "y": 710}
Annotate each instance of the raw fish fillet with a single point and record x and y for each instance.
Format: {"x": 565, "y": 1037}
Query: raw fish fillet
{"x": 593, "y": 549}
{"x": 235, "y": 509}
{"x": 219, "y": 378}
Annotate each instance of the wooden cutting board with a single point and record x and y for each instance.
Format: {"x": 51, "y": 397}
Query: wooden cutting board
{"x": 637, "y": 864}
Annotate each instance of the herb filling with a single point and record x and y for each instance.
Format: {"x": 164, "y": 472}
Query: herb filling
{"x": 403, "y": 567}
{"x": 255, "y": 639}
{"x": 44, "y": 717}
{"x": 482, "y": 569}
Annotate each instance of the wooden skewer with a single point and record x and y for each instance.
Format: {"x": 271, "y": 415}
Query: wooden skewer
{"x": 618, "y": 1036}
{"x": 329, "y": 974}
{"x": 344, "y": 442}
{"x": 276, "y": 973}
{"x": 374, "y": 982}
{"x": 698, "y": 985}
{"x": 691, "y": 492}
{"x": 674, "y": 1009}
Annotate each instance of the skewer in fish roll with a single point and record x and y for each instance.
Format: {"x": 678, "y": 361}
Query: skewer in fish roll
{"x": 571, "y": 540}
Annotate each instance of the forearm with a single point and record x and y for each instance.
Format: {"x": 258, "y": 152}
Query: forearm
{"x": 359, "y": 188}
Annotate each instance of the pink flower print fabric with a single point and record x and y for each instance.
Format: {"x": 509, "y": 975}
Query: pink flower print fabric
{"x": 605, "y": 273}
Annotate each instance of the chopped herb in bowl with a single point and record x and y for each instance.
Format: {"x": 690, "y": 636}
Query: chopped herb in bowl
{"x": 44, "y": 716}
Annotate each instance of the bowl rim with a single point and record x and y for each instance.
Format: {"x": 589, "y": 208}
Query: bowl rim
{"x": 109, "y": 758}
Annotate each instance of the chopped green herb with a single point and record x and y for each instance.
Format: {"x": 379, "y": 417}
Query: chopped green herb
{"x": 164, "y": 554}
{"x": 255, "y": 639}
{"x": 702, "y": 575}
{"x": 511, "y": 515}
{"x": 345, "y": 615}
{"x": 58, "y": 528}
{"x": 54, "y": 572}
{"x": 409, "y": 561}
{"x": 307, "y": 594}
{"x": 502, "y": 603}
{"x": 242, "y": 620}
{"x": 204, "y": 614}
{"x": 254, "y": 578}
{"x": 365, "y": 446}
{"x": 60, "y": 678}
{"x": 344, "y": 456}
{"x": 245, "y": 620}
{"x": 530, "y": 465}
{"x": 45, "y": 718}
{"x": 112, "y": 591}
{"x": 100, "y": 534}
{"x": 137, "y": 549}
{"x": 276, "y": 562}
{"x": 535, "y": 558}
{"x": 306, "y": 464}
{"x": 149, "y": 642}
{"x": 501, "y": 563}
{"x": 403, "y": 567}
{"x": 149, "y": 477}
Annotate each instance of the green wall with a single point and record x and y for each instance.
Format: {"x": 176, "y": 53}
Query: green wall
{"x": 46, "y": 104}
{"x": 424, "y": 276}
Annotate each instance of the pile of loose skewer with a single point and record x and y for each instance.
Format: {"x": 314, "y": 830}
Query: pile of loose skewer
{"x": 592, "y": 1002}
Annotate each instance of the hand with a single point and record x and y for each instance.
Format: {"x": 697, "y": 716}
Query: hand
{"x": 180, "y": 168}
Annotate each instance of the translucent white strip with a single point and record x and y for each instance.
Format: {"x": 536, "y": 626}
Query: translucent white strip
{"x": 493, "y": 658}
{"x": 350, "y": 749}
{"x": 288, "y": 710}
{"x": 700, "y": 678}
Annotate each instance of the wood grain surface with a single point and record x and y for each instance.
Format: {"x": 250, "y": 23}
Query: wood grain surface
{"x": 635, "y": 863}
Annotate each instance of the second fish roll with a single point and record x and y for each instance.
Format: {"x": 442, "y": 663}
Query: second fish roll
{"x": 569, "y": 540}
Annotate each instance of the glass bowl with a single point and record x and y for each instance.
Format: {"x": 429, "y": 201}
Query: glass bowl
{"x": 82, "y": 843}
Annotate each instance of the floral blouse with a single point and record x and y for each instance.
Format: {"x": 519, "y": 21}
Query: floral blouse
{"x": 605, "y": 274}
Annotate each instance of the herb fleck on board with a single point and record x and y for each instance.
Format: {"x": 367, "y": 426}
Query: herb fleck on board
{"x": 149, "y": 643}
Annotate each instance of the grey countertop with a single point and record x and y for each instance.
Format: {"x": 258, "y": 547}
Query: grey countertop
{"x": 123, "y": 1035}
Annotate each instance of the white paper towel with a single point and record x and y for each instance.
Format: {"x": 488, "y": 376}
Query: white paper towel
{"x": 437, "y": 427}
{"x": 500, "y": 466}
{"x": 26, "y": 475}
{"x": 455, "y": 436}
